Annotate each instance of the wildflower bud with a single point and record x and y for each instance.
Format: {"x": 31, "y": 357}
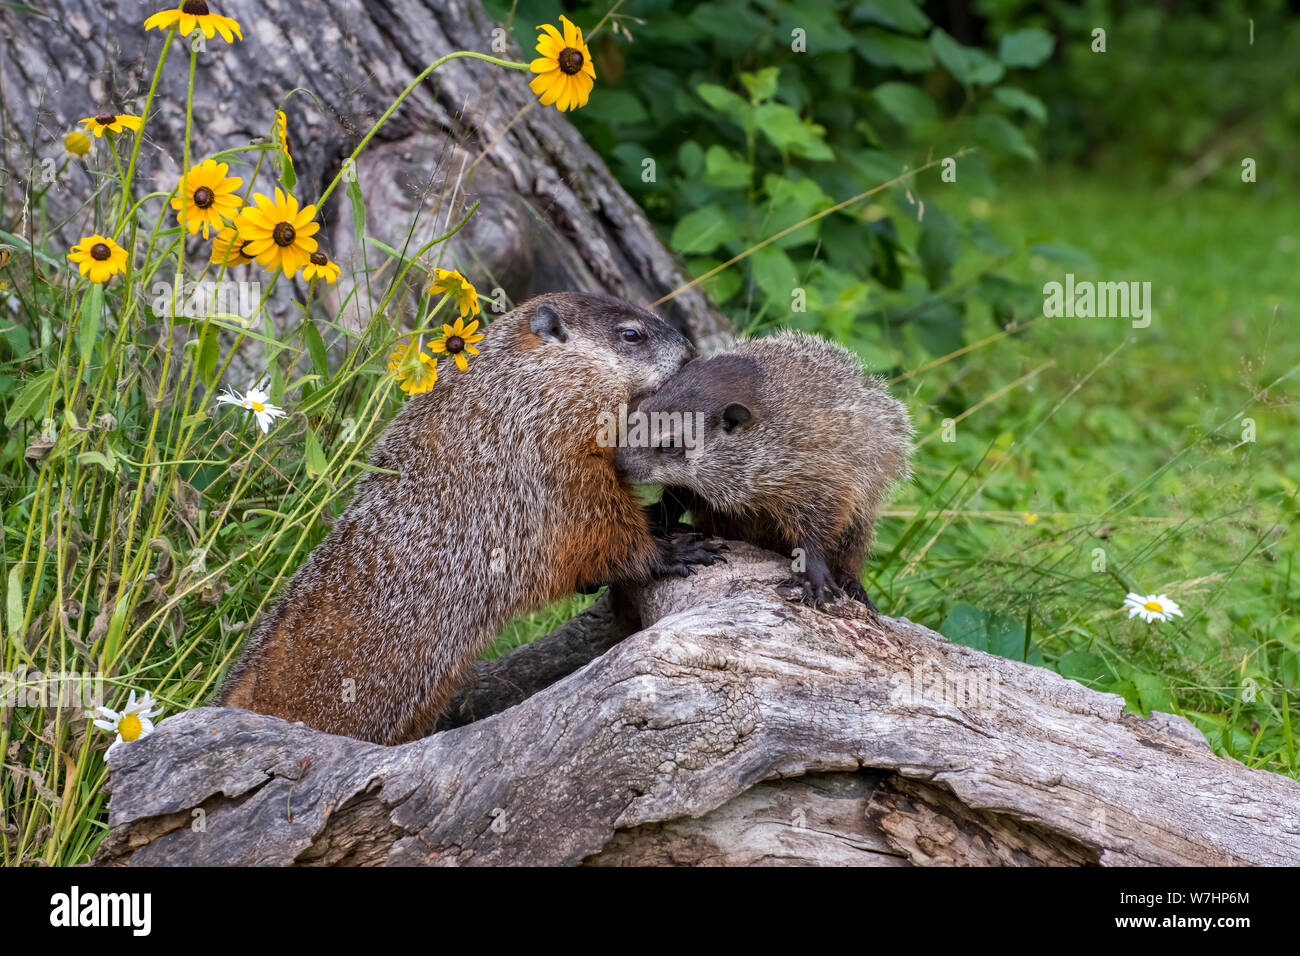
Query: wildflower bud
{"x": 77, "y": 143}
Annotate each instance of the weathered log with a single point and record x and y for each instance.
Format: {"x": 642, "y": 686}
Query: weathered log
{"x": 736, "y": 727}
{"x": 551, "y": 217}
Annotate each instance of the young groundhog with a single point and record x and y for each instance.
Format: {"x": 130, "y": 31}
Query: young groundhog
{"x": 784, "y": 442}
{"x": 503, "y": 500}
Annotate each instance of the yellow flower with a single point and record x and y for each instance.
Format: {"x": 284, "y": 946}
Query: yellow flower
{"x": 282, "y": 131}
{"x": 210, "y": 197}
{"x": 99, "y": 258}
{"x": 229, "y": 249}
{"x": 1030, "y": 517}
{"x": 77, "y": 143}
{"x": 192, "y": 15}
{"x": 112, "y": 122}
{"x": 565, "y": 74}
{"x": 452, "y": 283}
{"x": 457, "y": 340}
{"x": 319, "y": 266}
{"x": 278, "y": 232}
{"x": 416, "y": 370}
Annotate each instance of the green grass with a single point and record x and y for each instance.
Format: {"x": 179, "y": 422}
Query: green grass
{"x": 1129, "y": 441}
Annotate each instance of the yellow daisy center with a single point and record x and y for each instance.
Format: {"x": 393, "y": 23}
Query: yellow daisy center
{"x": 570, "y": 60}
{"x": 203, "y": 197}
{"x": 129, "y": 727}
{"x": 106, "y": 119}
{"x": 1153, "y": 606}
{"x": 99, "y": 252}
{"x": 284, "y": 234}
{"x": 195, "y": 8}
{"x": 258, "y": 407}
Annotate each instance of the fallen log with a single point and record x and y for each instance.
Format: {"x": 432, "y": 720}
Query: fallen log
{"x": 735, "y": 727}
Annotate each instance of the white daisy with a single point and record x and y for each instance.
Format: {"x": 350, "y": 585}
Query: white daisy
{"x": 1151, "y": 607}
{"x": 134, "y": 722}
{"x": 255, "y": 400}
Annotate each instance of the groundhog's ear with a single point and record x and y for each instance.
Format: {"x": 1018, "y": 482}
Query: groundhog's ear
{"x": 735, "y": 415}
{"x": 547, "y": 324}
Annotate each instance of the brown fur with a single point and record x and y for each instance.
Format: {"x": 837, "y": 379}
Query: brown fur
{"x": 502, "y": 502}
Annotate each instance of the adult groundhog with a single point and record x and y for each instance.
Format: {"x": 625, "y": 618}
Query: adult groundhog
{"x": 503, "y": 501}
{"x": 796, "y": 448}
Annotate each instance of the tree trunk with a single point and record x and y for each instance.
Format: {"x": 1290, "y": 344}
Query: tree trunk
{"x": 551, "y": 218}
{"x": 734, "y": 728}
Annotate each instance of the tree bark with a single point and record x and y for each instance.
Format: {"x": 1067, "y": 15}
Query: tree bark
{"x": 551, "y": 217}
{"x": 735, "y": 728}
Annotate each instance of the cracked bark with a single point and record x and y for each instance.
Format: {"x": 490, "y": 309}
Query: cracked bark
{"x": 733, "y": 728}
{"x": 551, "y": 217}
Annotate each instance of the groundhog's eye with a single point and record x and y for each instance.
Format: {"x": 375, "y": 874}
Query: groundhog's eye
{"x": 631, "y": 335}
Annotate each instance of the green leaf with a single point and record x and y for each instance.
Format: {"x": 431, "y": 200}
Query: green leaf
{"x": 967, "y": 625}
{"x": 1026, "y": 103}
{"x": 775, "y": 274}
{"x": 998, "y": 132}
{"x": 726, "y": 170}
{"x": 761, "y": 85}
{"x": 316, "y": 348}
{"x": 97, "y": 458}
{"x": 889, "y": 50}
{"x": 209, "y": 355}
{"x": 616, "y": 107}
{"x": 690, "y": 159}
{"x": 358, "y": 207}
{"x": 907, "y": 104}
{"x": 938, "y": 248}
{"x": 902, "y": 15}
{"x": 1152, "y": 692}
{"x": 92, "y": 309}
{"x": 1026, "y": 48}
{"x": 971, "y": 67}
{"x": 35, "y": 394}
{"x": 726, "y": 102}
{"x": 1064, "y": 254}
{"x": 314, "y": 454}
{"x": 789, "y": 133}
{"x": 704, "y": 229}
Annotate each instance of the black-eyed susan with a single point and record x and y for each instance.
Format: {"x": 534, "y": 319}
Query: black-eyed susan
{"x": 210, "y": 197}
{"x": 458, "y": 341}
{"x": 319, "y": 267}
{"x": 77, "y": 143}
{"x": 111, "y": 123}
{"x": 229, "y": 248}
{"x": 282, "y": 133}
{"x": 99, "y": 258}
{"x": 565, "y": 74}
{"x": 451, "y": 282}
{"x": 416, "y": 370}
{"x": 278, "y": 232}
{"x": 194, "y": 15}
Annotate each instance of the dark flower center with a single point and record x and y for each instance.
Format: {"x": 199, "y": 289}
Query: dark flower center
{"x": 570, "y": 60}
{"x": 318, "y": 258}
{"x": 99, "y": 252}
{"x": 284, "y": 234}
{"x": 203, "y": 197}
{"x": 455, "y": 344}
{"x": 106, "y": 119}
{"x": 195, "y": 8}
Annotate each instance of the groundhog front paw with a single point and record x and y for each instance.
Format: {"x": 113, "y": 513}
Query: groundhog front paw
{"x": 854, "y": 589}
{"x": 811, "y": 588}
{"x": 681, "y": 553}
